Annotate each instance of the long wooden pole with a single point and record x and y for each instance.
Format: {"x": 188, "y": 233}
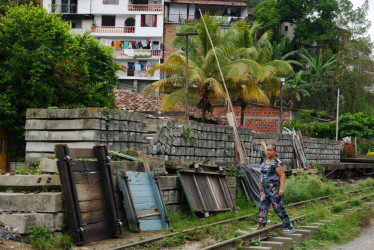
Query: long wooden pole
{"x": 337, "y": 116}
{"x": 241, "y": 155}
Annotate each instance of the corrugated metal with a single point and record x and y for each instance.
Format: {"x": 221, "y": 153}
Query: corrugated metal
{"x": 206, "y": 191}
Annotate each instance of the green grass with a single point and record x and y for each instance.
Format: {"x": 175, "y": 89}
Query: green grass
{"x": 304, "y": 187}
{"x": 42, "y": 238}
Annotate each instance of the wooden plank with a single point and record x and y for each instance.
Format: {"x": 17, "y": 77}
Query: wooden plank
{"x": 98, "y": 231}
{"x": 92, "y": 205}
{"x": 60, "y": 151}
{"x": 82, "y": 153}
{"x": 86, "y": 166}
{"x": 303, "y": 147}
{"x": 147, "y": 224}
{"x": 127, "y": 201}
{"x": 95, "y": 216}
{"x": 87, "y": 178}
{"x": 88, "y": 192}
{"x": 142, "y": 216}
{"x": 190, "y": 192}
{"x": 159, "y": 202}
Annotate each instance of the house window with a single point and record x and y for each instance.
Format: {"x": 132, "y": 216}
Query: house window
{"x": 110, "y": 1}
{"x": 149, "y": 21}
{"x": 76, "y": 24}
{"x": 108, "y": 20}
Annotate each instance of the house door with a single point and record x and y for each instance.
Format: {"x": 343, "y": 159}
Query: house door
{"x": 3, "y": 147}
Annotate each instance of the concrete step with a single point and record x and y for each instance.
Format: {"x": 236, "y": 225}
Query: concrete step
{"x": 275, "y": 245}
{"x": 318, "y": 224}
{"x": 311, "y": 228}
{"x": 287, "y": 241}
{"x": 48, "y": 202}
{"x": 30, "y": 182}
{"x": 48, "y": 165}
{"x": 24, "y": 222}
{"x": 298, "y": 238}
{"x": 307, "y": 234}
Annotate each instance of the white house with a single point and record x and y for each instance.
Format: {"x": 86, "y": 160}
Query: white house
{"x": 134, "y": 28}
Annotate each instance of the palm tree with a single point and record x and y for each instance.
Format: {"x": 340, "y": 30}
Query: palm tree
{"x": 245, "y": 60}
{"x": 252, "y": 74}
{"x": 201, "y": 79}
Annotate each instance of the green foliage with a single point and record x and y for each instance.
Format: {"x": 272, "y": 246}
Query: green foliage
{"x": 369, "y": 182}
{"x": 355, "y": 202}
{"x": 337, "y": 208}
{"x": 44, "y": 65}
{"x": 358, "y": 124}
{"x": 42, "y": 238}
{"x": 305, "y": 187}
{"x": 24, "y": 170}
{"x": 370, "y": 154}
{"x": 190, "y": 138}
{"x": 9, "y": 190}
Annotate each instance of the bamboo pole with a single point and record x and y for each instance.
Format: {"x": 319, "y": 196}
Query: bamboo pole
{"x": 240, "y": 153}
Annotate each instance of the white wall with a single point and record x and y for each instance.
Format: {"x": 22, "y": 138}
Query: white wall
{"x": 86, "y": 26}
{"x": 84, "y": 6}
{"x": 109, "y": 9}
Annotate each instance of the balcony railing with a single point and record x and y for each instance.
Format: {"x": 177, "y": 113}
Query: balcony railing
{"x": 112, "y": 29}
{"x": 64, "y": 8}
{"x": 146, "y": 7}
{"x": 138, "y": 53}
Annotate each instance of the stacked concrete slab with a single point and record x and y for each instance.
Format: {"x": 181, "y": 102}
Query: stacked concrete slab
{"x": 82, "y": 128}
{"x": 319, "y": 151}
{"x": 23, "y": 210}
{"x": 192, "y": 141}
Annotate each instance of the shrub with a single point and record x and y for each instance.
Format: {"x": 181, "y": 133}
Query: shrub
{"x": 42, "y": 238}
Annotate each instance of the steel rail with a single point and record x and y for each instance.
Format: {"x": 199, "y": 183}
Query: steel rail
{"x": 262, "y": 233}
{"x": 147, "y": 241}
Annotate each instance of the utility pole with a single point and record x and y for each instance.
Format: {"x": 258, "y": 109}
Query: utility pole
{"x": 186, "y": 84}
{"x": 337, "y": 115}
{"x": 282, "y": 82}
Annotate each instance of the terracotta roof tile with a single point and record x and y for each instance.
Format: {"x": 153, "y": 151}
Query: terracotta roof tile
{"x": 130, "y": 100}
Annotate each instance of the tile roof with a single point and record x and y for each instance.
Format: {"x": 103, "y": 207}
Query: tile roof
{"x": 130, "y": 100}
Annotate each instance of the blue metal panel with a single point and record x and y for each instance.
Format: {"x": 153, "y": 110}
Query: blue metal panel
{"x": 142, "y": 200}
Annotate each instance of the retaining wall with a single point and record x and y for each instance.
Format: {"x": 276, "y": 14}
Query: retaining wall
{"x": 83, "y": 128}
{"x": 170, "y": 139}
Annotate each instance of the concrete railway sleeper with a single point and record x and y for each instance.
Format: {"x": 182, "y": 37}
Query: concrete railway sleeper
{"x": 265, "y": 235}
{"x": 296, "y": 204}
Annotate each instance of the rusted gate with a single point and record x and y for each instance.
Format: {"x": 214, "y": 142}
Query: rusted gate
{"x": 206, "y": 191}
{"x": 88, "y": 192}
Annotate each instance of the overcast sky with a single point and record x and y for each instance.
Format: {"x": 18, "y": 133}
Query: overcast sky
{"x": 357, "y": 3}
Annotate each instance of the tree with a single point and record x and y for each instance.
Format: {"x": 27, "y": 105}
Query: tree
{"x": 44, "y": 65}
{"x": 245, "y": 60}
{"x": 354, "y": 21}
{"x": 314, "y": 19}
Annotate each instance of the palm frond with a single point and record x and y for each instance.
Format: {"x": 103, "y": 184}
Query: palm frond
{"x": 170, "y": 102}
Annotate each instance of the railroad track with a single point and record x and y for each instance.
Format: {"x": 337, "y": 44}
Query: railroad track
{"x": 262, "y": 233}
{"x": 258, "y": 233}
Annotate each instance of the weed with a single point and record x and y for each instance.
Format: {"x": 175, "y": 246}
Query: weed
{"x": 42, "y": 238}
{"x": 256, "y": 242}
{"x": 175, "y": 240}
{"x": 337, "y": 208}
{"x": 9, "y": 190}
{"x": 355, "y": 202}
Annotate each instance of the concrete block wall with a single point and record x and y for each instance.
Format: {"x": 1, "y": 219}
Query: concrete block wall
{"x": 190, "y": 141}
{"x": 82, "y": 128}
{"x": 319, "y": 151}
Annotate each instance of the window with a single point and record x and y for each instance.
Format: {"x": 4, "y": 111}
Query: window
{"x": 76, "y": 24}
{"x": 110, "y": 1}
{"x": 130, "y": 22}
{"x": 108, "y": 21}
{"x": 149, "y": 21}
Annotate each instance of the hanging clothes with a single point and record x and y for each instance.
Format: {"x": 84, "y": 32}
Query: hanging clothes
{"x": 137, "y": 67}
{"x": 126, "y": 45}
{"x": 118, "y": 44}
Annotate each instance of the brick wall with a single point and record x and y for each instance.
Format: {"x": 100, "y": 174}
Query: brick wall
{"x": 256, "y": 117}
{"x": 169, "y": 33}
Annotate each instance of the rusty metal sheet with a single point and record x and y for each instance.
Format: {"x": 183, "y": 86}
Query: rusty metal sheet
{"x": 206, "y": 191}
{"x": 88, "y": 193}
